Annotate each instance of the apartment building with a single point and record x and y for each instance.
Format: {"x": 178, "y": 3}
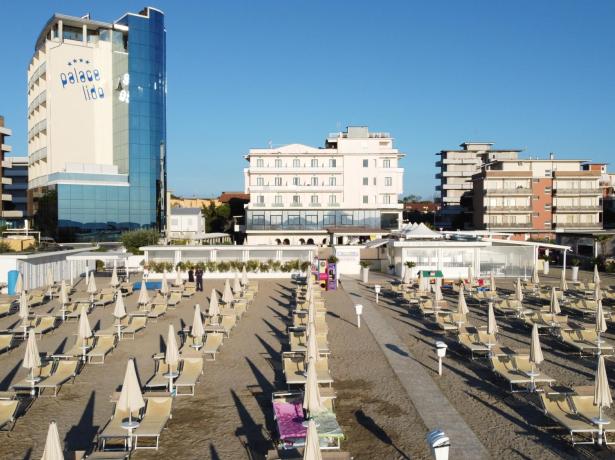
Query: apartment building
{"x": 11, "y": 209}
{"x": 535, "y": 197}
{"x": 97, "y": 126}
{"x": 457, "y": 167}
{"x": 346, "y": 191}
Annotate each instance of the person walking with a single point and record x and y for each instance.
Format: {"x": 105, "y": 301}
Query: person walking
{"x": 191, "y": 275}
{"x": 199, "y": 279}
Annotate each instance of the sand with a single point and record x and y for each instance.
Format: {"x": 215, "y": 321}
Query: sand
{"x": 230, "y": 417}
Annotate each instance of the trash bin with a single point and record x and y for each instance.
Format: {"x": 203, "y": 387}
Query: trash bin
{"x": 12, "y": 281}
{"x": 439, "y": 444}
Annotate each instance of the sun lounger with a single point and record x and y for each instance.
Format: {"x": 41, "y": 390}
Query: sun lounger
{"x": 544, "y": 320}
{"x": 174, "y": 298}
{"x": 6, "y": 342}
{"x": 298, "y": 341}
{"x": 108, "y": 455}
{"x": 585, "y": 341}
{"x": 63, "y": 371}
{"x": 449, "y": 321}
{"x": 157, "y": 414}
{"x": 103, "y": 345}
{"x": 157, "y": 310}
{"x": 159, "y": 380}
{"x": 228, "y": 323}
{"x": 189, "y": 289}
{"x": 8, "y": 414}
{"x": 508, "y": 307}
{"x": 76, "y": 351}
{"x": 112, "y": 330}
{"x": 36, "y": 298}
{"x": 113, "y": 430}
{"x": 105, "y": 299}
{"x": 6, "y": 308}
{"x": 557, "y": 406}
{"x": 159, "y": 299}
{"x": 295, "y": 370}
{"x": 135, "y": 324}
{"x": 514, "y": 369}
{"x": 192, "y": 369}
{"x": 473, "y": 343}
{"x": 24, "y": 386}
{"x": 583, "y": 306}
{"x": 44, "y": 324}
{"x": 213, "y": 342}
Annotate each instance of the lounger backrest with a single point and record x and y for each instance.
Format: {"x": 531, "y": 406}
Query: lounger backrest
{"x": 584, "y": 405}
{"x": 158, "y": 407}
{"x": 192, "y": 366}
{"x": 105, "y": 342}
{"x": 66, "y": 368}
{"x": 8, "y": 407}
{"x": 589, "y": 335}
{"x": 137, "y": 322}
{"x": 5, "y": 340}
{"x": 555, "y": 403}
{"x": 522, "y": 363}
{"x": 213, "y": 341}
{"x": 228, "y": 322}
{"x": 500, "y": 363}
{"x": 322, "y": 363}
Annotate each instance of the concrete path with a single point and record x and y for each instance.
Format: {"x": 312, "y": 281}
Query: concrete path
{"x": 433, "y": 407}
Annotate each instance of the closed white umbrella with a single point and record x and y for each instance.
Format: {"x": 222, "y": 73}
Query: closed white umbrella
{"x": 164, "y": 287}
{"x": 407, "y": 276}
{"x": 535, "y": 278}
{"x": 462, "y": 306}
{"x": 143, "y": 295}
{"x": 596, "y": 274}
{"x": 600, "y": 322}
{"x": 171, "y": 356}
{"x": 24, "y": 310}
{"x": 92, "y": 289}
{"x": 53, "y": 447}
{"x": 563, "y": 284}
{"x": 131, "y": 398}
{"x": 50, "y": 281}
{"x": 197, "y": 331}
{"x": 602, "y": 392}
{"x": 312, "y": 343}
{"x": 63, "y": 293}
{"x": 178, "y": 277}
{"x": 312, "y": 443}
{"x": 32, "y": 358}
{"x": 536, "y": 356}
{"x": 492, "y": 283}
{"x": 438, "y": 293}
{"x": 227, "y": 294}
{"x": 214, "y": 308}
{"x": 236, "y": 285}
{"x": 492, "y": 325}
{"x": 19, "y": 284}
{"x": 312, "y": 402}
{"x": 471, "y": 275}
{"x": 119, "y": 312}
{"x": 554, "y": 304}
{"x": 597, "y": 292}
{"x": 519, "y": 290}
{"x": 85, "y": 331}
{"x": 244, "y": 277}
{"x": 115, "y": 282}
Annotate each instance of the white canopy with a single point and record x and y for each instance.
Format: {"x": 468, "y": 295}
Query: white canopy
{"x": 421, "y": 231}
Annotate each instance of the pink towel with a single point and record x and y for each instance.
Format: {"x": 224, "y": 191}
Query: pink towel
{"x": 290, "y": 420}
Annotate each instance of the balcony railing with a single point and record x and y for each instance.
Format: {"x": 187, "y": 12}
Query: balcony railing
{"x": 507, "y": 209}
{"x": 501, "y": 225}
{"x": 508, "y": 191}
{"x": 578, "y": 208}
{"x": 578, "y": 225}
{"x": 578, "y": 191}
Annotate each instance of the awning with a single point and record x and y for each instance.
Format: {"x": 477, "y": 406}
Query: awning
{"x": 377, "y": 243}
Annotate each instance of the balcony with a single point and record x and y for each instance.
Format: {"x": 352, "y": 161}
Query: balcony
{"x": 578, "y": 225}
{"x": 295, "y": 188}
{"x": 464, "y": 186}
{"x": 461, "y": 161}
{"x": 508, "y": 191}
{"x": 12, "y": 214}
{"x": 7, "y": 180}
{"x": 459, "y": 173}
{"x": 6, "y": 148}
{"x": 505, "y": 225}
{"x": 578, "y": 191}
{"x": 577, "y": 208}
{"x": 507, "y": 209}
{"x": 7, "y": 197}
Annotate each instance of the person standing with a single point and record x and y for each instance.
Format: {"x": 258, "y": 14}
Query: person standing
{"x": 199, "y": 279}
{"x": 191, "y": 275}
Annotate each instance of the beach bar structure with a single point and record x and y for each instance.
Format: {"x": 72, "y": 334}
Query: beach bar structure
{"x": 456, "y": 253}
{"x": 227, "y": 253}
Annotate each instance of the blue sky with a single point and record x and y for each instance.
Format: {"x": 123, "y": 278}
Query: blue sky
{"x": 526, "y": 74}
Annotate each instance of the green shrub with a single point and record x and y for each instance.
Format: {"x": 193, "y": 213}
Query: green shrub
{"x": 305, "y": 266}
{"x": 134, "y": 239}
{"x": 264, "y": 267}
{"x": 211, "y": 266}
{"x": 252, "y": 265}
{"x": 365, "y": 264}
{"x": 223, "y": 266}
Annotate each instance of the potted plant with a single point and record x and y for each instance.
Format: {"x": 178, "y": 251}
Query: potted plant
{"x": 305, "y": 266}
{"x": 409, "y": 266}
{"x": 575, "y": 268}
{"x": 332, "y": 259}
{"x": 365, "y": 270}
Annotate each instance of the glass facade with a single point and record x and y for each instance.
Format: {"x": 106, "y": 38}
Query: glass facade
{"x": 313, "y": 219}
{"x": 134, "y": 198}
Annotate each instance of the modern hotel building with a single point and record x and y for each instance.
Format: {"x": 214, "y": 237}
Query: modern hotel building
{"x": 97, "y": 126}
{"x": 305, "y": 195}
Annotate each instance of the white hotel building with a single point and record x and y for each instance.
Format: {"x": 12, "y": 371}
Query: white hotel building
{"x": 344, "y": 192}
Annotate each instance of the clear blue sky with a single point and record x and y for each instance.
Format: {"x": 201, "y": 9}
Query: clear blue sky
{"x": 537, "y": 75}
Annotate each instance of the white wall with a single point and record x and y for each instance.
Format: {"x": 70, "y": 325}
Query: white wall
{"x": 349, "y": 258}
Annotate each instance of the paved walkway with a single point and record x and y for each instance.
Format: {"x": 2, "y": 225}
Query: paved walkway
{"x": 433, "y": 407}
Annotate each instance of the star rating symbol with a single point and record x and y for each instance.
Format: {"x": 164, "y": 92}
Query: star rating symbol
{"x": 75, "y": 61}
{"x": 70, "y": 63}
{"x": 80, "y": 59}
{"x": 87, "y": 62}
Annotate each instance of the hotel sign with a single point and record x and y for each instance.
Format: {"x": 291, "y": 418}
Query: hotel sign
{"x": 82, "y": 74}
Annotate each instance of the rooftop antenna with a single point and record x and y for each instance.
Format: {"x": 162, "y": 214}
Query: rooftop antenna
{"x": 270, "y": 144}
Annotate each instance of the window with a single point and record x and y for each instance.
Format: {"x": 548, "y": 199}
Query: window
{"x": 311, "y": 221}
{"x": 278, "y": 163}
{"x": 296, "y": 199}
{"x": 314, "y": 199}
{"x": 547, "y": 207}
{"x": 547, "y": 173}
{"x": 386, "y": 163}
{"x": 276, "y": 220}
{"x": 366, "y": 163}
{"x": 260, "y": 199}
{"x": 365, "y": 199}
{"x": 346, "y": 219}
{"x": 314, "y": 181}
{"x": 296, "y": 163}
{"x": 260, "y": 163}
{"x": 295, "y": 180}
{"x": 258, "y": 219}
{"x": 386, "y": 199}
{"x": 260, "y": 181}
{"x": 314, "y": 163}
{"x": 332, "y": 180}
{"x": 332, "y": 163}
{"x": 374, "y": 181}
{"x": 174, "y": 222}
{"x": 332, "y": 199}
{"x": 278, "y": 181}
{"x": 366, "y": 181}
{"x": 278, "y": 199}
{"x": 328, "y": 219}
{"x": 294, "y": 220}
{"x": 388, "y": 181}
{"x": 547, "y": 189}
